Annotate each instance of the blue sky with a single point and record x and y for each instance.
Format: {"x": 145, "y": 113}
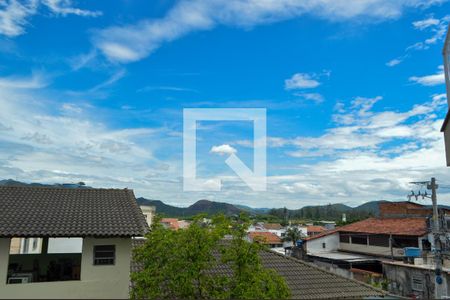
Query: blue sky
{"x": 354, "y": 92}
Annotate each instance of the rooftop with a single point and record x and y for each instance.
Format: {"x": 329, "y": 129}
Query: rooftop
{"x": 344, "y": 256}
{"x": 305, "y": 280}
{"x": 171, "y": 222}
{"x": 397, "y": 226}
{"x": 315, "y": 228}
{"x": 264, "y": 237}
{"x": 63, "y": 212}
{"x": 272, "y": 226}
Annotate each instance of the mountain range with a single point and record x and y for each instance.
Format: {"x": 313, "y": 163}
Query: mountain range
{"x": 329, "y": 212}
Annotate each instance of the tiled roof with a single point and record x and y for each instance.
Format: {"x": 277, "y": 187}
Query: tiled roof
{"x": 69, "y": 212}
{"x": 272, "y": 226}
{"x": 314, "y": 228}
{"x": 171, "y": 222}
{"x": 326, "y": 233}
{"x": 264, "y": 237}
{"x": 397, "y": 226}
{"x": 305, "y": 280}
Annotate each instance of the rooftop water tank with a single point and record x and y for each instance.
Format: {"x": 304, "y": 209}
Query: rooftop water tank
{"x": 412, "y": 252}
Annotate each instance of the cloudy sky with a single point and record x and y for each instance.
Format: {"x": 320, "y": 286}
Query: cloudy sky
{"x": 94, "y": 91}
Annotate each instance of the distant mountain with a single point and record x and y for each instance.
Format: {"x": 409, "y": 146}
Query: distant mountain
{"x": 371, "y": 207}
{"x": 201, "y": 206}
{"x": 253, "y": 210}
{"x": 11, "y": 182}
{"x": 318, "y": 212}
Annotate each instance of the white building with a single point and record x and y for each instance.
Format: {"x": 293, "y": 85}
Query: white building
{"x": 104, "y": 220}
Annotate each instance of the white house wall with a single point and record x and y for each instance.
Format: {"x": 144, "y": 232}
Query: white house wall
{"x": 316, "y": 245}
{"x": 97, "y": 282}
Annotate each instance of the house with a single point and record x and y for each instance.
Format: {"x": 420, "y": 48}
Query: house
{"x": 305, "y": 280}
{"x": 408, "y": 209}
{"x": 275, "y": 228}
{"x": 417, "y": 279}
{"x": 149, "y": 213}
{"x": 357, "y": 250}
{"x": 105, "y": 220}
{"x": 268, "y": 238}
{"x": 445, "y": 128}
{"x": 313, "y": 230}
{"x": 329, "y": 225}
{"x": 171, "y": 223}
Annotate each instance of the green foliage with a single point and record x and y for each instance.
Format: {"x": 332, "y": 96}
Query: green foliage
{"x": 293, "y": 234}
{"x": 180, "y": 264}
{"x": 250, "y": 279}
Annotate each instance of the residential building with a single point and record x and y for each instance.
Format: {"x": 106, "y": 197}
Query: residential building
{"x": 105, "y": 220}
{"x": 313, "y": 230}
{"x": 149, "y": 213}
{"x": 417, "y": 279}
{"x": 445, "y": 128}
{"x": 275, "y": 228}
{"x": 329, "y": 225}
{"x": 358, "y": 250}
{"x": 268, "y": 238}
{"x": 171, "y": 223}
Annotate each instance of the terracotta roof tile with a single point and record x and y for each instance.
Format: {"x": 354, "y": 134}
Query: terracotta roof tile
{"x": 314, "y": 228}
{"x": 398, "y": 226}
{"x": 171, "y": 222}
{"x": 265, "y": 237}
{"x": 273, "y": 226}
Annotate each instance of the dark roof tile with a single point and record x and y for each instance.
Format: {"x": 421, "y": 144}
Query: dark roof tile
{"x": 63, "y": 212}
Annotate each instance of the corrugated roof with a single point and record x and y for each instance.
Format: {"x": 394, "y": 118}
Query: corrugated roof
{"x": 305, "y": 280}
{"x": 64, "y": 212}
{"x": 397, "y": 226}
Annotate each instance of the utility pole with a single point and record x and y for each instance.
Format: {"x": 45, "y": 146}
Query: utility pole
{"x": 436, "y": 232}
{"x": 437, "y": 239}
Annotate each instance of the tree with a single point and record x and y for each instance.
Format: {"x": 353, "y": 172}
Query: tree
{"x": 180, "y": 264}
{"x": 250, "y": 279}
{"x": 293, "y": 234}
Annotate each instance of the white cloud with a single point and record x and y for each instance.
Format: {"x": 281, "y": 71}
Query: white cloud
{"x": 15, "y": 15}
{"x": 134, "y": 42}
{"x": 35, "y": 81}
{"x": 301, "y": 81}
{"x": 423, "y": 24}
{"x": 224, "y": 149}
{"x": 314, "y": 97}
{"x": 436, "y": 27}
{"x": 430, "y": 80}
{"x": 394, "y": 62}
{"x": 63, "y": 7}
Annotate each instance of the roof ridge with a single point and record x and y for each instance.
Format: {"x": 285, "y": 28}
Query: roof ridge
{"x": 56, "y": 187}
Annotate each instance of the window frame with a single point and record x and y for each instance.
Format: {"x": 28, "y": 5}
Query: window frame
{"x": 418, "y": 287}
{"x": 95, "y": 259}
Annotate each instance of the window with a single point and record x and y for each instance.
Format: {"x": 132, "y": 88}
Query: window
{"x": 381, "y": 240}
{"x": 359, "y": 239}
{"x": 104, "y": 254}
{"x": 344, "y": 238}
{"x": 417, "y": 283}
{"x": 324, "y": 245}
{"x": 405, "y": 241}
{"x": 35, "y": 244}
